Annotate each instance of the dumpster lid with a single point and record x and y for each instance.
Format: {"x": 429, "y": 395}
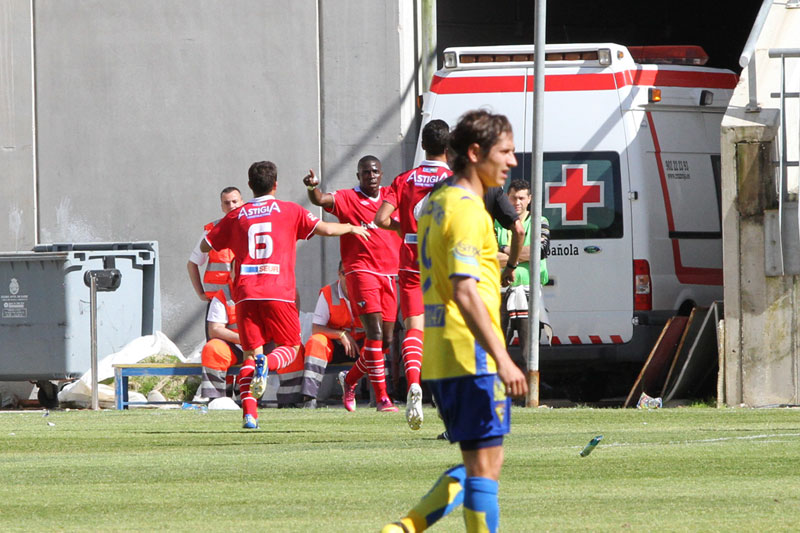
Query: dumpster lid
{"x": 94, "y": 246}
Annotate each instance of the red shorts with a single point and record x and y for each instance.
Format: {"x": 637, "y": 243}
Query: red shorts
{"x": 410, "y": 294}
{"x": 262, "y": 321}
{"x": 372, "y": 293}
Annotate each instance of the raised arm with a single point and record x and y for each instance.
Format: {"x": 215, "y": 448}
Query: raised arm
{"x": 315, "y": 194}
{"x": 335, "y": 229}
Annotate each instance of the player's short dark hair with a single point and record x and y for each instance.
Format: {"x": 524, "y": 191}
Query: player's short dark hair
{"x": 228, "y": 190}
{"x": 368, "y": 159}
{"x": 477, "y": 126}
{"x": 262, "y": 177}
{"x": 435, "y": 135}
{"x": 520, "y": 185}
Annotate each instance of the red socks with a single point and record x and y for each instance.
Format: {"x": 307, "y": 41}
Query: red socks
{"x": 249, "y": 403}
{"x": 280, "y": 358}
{"x": 412, "y": 355}
{"x": 371, "y": 363}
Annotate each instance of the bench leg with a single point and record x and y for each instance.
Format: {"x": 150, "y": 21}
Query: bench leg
{"x": 118, "y": 388}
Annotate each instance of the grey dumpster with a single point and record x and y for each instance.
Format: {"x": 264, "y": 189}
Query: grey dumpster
{"x": 45, "y": 311}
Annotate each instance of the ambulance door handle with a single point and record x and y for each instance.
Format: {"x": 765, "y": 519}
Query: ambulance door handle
{"x": 550, "y": 282}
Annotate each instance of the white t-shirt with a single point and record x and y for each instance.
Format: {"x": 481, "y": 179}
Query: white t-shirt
{"x": 197, "y": 257}
{"x": 217, "y": 312}
{"x": 322, "y": 313}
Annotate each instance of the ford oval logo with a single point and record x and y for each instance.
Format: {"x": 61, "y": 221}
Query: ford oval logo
{"x": 591, "y": 249}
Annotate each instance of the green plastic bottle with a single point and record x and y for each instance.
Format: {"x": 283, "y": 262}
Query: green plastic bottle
{"x": 589, "y": 447}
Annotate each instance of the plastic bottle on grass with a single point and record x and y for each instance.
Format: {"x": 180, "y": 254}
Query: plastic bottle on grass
{"x": 589, "y": 447}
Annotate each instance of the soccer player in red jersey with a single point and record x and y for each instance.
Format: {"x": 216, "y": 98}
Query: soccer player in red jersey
{"x": 406, "y": 195}
{"x": 262, "y": 234}
{"x": 370, "y": 268}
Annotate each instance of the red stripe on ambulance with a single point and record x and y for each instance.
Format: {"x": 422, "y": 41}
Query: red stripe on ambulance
{"x": 477, "y": 84}
{"x": 583, "y": 82}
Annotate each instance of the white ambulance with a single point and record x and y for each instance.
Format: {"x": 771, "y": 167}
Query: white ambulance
{"x": 631, "y": 186}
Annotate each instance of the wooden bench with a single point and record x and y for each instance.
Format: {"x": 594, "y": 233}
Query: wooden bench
{"x": 124, "y": 371}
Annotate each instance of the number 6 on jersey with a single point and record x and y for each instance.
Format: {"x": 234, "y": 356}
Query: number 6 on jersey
{"x": 259, "y": 241}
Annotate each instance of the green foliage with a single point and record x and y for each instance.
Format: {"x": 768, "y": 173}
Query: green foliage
{"x": 703, "y": 403}
{"x": 174, "y": 388}
{"x": 328, "y": 470}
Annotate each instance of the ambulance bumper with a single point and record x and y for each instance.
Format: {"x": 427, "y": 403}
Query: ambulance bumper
{"x": 574, "y": 357}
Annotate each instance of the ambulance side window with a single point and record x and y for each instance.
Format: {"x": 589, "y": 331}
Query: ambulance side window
{"x": 581, "y": 193}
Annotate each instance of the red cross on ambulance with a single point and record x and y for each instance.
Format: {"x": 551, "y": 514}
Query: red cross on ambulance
{"x": 574, "y": 195}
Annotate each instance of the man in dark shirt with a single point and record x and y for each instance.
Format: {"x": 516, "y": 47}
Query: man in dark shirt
{"x": 501, "y": 210}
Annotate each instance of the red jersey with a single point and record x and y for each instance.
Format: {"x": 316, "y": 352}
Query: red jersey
{"x": 406, "y": 192}
{"x": 262, "y": 234}
{"x": 379, "y": 255}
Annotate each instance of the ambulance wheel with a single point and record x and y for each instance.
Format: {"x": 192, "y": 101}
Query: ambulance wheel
{"x": 686, "y": 308}
{"x": 47, "y": 395}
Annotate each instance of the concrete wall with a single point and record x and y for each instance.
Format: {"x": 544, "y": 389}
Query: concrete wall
{"x": 146, "y": 109}
{"x": 17, "y": 206}
{"x": 761, "y": 360}
{"x": 368, "y": 89}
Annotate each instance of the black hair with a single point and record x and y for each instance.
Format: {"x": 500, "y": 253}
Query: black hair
{"x": 228, "y": 190}
{"x": 367, "y": 159}
{"x": 435, "y": 135}
{"x": 262, "y": 177}
{"x": 519, "y": 185}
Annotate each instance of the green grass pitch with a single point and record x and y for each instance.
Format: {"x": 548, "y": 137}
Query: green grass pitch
{"x": 691, "y": 469}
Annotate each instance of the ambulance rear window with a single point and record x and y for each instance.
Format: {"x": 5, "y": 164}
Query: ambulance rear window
{"x": 581, "y": 194}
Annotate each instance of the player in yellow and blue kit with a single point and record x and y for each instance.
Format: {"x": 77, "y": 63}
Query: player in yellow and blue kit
{"x": 465, "y": 360}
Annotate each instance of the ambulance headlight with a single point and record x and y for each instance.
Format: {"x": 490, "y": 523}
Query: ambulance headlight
{"x": 604, "y": 56}
{"x": 450, "y": 60}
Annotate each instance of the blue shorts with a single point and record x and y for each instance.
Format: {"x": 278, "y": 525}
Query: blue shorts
{"x": 474, "y": 408}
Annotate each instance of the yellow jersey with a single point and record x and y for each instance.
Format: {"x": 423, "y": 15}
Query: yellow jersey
{"x": 456, "y": 238}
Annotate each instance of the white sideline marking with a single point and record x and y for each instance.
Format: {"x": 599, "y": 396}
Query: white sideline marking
{"x": 699, "y": 441}
{"x": 745, "y": 437}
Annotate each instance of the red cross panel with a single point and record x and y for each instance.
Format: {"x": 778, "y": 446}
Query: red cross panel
{"x": 574, "y": 195}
